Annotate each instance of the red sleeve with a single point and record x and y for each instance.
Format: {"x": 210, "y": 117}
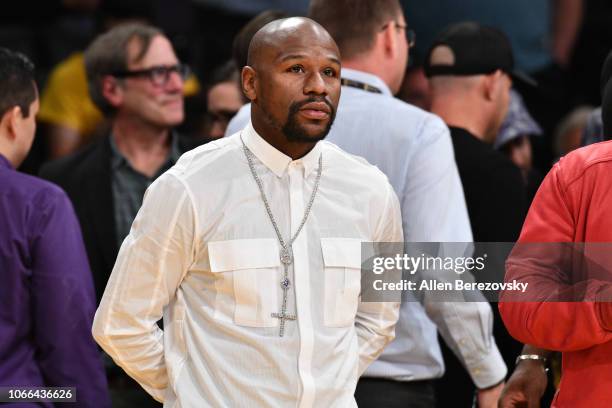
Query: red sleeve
{"x": 540, "y": 260}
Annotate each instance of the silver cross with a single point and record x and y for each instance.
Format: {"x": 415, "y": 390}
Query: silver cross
{"x": 286, "y": 257}
{"x": 285, "y": 284}
{"x": 282, "y": 316}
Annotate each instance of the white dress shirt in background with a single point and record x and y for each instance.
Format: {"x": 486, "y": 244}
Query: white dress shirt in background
{"x": 202, "y": 252}
{"x": 414, "y": 149}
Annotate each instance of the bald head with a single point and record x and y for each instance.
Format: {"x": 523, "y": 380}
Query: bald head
{"x": 293, "y": 81}
{"x": 477, "y": 103}
{"x": 277, "y": 35}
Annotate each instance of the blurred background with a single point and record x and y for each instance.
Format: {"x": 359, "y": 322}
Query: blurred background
{"x": 561, "y": 43}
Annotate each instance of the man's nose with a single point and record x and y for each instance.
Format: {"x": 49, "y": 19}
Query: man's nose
{"x": 315, "y": 84}
{"x": 175, "y": 82}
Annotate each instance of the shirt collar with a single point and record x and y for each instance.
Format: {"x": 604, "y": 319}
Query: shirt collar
{"x": 118, "y": 160}
{"x": 366, "y": 78}
{"x": 274, "y": 159}
{"x": 5, "y": 163}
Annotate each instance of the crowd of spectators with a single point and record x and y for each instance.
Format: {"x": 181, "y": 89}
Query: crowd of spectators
{"x": 493, "y": 136}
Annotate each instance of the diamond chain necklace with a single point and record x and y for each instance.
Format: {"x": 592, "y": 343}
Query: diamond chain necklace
{"x": 286, "y": 253}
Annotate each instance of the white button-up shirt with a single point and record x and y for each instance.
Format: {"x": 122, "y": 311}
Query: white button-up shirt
{"x": 202, "y": 252}
{"x": 414, "y": 149}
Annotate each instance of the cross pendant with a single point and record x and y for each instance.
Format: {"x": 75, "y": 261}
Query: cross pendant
{"x": 282, "y": 316}
{"x": 285, "y": 284}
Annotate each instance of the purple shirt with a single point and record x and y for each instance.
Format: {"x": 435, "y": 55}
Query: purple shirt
{"x": 47, "y": 299}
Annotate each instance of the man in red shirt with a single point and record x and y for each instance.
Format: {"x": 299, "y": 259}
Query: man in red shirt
{"x": 572, "y": 205}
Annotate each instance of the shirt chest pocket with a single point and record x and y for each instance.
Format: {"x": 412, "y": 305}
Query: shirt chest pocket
{"x": 342, "y": 260}
{"x": 250, "y": 268}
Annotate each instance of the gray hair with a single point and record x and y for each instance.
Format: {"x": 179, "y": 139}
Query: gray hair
{"x": 108, "y": 54}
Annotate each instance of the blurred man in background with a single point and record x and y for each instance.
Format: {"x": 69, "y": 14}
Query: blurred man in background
{"x": 224, "y": 98}
{"x": 136, "y": 80}
{"x": 529, "y": 381}
{"x": 71, "y": 119}
{"x": 514, "y": 140}
{"x": 47, "y": 298}
{"x": 471, "y": 93}
{"x": 542, "y": 34}
{"x": 569, "y": 308}
{"x": 413, "y": 148}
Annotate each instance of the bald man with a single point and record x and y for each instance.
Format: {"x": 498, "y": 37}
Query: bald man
{"x": 249, "y": 248}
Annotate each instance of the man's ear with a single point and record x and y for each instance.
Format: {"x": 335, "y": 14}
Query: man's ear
{"x": 249, "y": 78}
{"x": 10, "y": 121}
{"x": 491, "y": 84}
{"x": 112, "y": 90}
{"x": 388, "y": 37}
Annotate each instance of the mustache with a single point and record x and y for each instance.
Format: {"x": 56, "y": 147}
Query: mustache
{"x": 296, "y": 106}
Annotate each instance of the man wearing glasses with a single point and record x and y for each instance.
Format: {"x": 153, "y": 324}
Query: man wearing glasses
{"x": 136, "y": 80}
{"x": 414, "y": 149}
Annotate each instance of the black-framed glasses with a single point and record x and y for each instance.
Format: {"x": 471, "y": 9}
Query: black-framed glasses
{"x": 410, "y": 34}
{"x": 159, "y": 75}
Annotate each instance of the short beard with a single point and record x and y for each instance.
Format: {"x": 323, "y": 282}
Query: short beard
{"x": 295, "y": 133}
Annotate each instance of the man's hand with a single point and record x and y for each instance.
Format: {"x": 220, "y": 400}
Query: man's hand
{"x": 488, "y": 397}
{"x": 525, "y": 386}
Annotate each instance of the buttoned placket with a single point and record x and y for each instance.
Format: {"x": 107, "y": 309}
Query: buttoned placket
{"x": 301, "y": 273}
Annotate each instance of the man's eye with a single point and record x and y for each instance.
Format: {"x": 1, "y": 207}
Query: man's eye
{"x": 329, "y": 72}
{"x": 159, "y": 71}
{"x": 297, "y": 69}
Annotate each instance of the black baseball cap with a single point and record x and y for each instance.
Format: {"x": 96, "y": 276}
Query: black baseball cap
{"x": 468, "y": 48}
